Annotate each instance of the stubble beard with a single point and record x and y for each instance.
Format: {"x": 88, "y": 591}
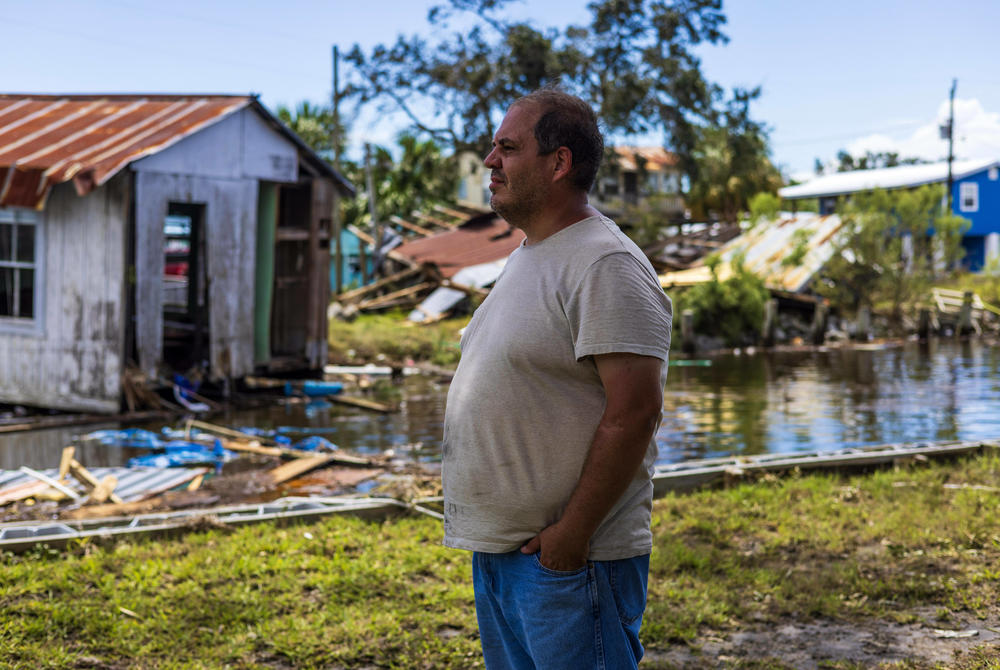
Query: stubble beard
{"x": 520, "y": 206}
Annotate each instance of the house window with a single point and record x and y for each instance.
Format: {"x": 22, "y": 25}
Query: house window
{"x": 18, "y": 264}
{"x": 993, "y": 173}
{"x": 968, "y": 197}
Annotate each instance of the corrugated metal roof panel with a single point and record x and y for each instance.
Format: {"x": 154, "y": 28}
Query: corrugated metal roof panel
{"x": 481, "y": 240}
{"x": 50, "y": 139}
{"x": 133, "y": 483}
{"x": 764, "y": 249}
{"x": 904, "y": 176}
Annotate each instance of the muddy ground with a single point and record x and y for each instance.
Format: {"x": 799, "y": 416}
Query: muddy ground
{"x": 961, "y": 642}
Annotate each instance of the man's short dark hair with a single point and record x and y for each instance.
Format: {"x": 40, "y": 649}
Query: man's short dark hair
{"x": 568, "y": 121}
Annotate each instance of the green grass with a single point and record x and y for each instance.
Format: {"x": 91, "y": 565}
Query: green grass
{"x": 374, "y": 337}
{"x": 348, "y": 593}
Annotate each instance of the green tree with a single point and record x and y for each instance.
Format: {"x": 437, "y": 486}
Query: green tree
{"x": 635, "y": 62}
{"x": 419, "y": 179}
{"x": 892, "y": 246}
{"x": 731, "y": 162}
{"x": 315, "y": 124}
{"x": 732, "y": 309}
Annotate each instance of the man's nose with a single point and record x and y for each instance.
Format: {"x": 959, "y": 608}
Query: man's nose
{"x": 490, "y": 160}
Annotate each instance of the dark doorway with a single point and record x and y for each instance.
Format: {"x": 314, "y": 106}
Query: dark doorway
{"x": 185, "y": 287}
{"x": 291, "y": 273}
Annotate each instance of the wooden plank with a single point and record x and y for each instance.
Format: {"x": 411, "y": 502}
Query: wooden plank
{"x": 104, "y": 490}
{"x": 363, "y": 403}
{"x": 436, "y": 221}
{"x": 42, "y": 477}
{"x": 65, "y": 460}
{"x": 293, "y": 469}
{"x": 392, "y": 255}
{"x": 221, "y": 430}
{"x": 93, "y": 486}
{"x": 402, "y": 293}
{"x": 461, "y": 216}
{"x": 412, "y": 227}
{"x": 364, "y": 290}
{"x": 253, "y": 447}
{"x": 468, "y": 290}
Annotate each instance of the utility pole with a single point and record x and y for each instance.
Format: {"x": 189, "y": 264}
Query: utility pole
{"x": 376, "y": 232}
{"x": 951, "y": 141}
{"x": 338, "y": 257}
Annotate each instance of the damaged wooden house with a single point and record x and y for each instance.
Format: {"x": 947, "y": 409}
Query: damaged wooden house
{"x": 165, "y": 232}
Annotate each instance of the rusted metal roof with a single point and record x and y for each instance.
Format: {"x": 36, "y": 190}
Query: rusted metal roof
{"x": 654, "y": 159}
{"x": 480, "y": 240}
{"x": 764, "y": 249}
{"x": 50, "y": 139}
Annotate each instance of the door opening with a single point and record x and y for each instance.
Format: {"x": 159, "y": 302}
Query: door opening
{"x": 185, "y": 288}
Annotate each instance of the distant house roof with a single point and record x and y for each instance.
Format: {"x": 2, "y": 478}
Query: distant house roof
{"x": 656, "y": 158}
{"x": 482, "y": 239}
{"x": 904, "y": 176}
{"x": 765, "y": 247}
{"x": 51, "y": 139}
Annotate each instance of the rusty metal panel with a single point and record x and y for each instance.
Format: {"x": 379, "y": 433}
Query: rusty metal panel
{"x": 764, "y": 249}
{"x": 481, "y": 240}
{"x": 52, "y": 139}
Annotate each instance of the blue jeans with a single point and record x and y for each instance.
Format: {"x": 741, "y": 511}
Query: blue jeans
{"x": 533, "y": 618}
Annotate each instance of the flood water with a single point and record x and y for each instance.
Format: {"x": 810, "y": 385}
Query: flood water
{"x": 738, "y": 404}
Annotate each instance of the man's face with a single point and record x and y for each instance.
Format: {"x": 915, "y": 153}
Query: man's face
{"x": 519, "y": 180}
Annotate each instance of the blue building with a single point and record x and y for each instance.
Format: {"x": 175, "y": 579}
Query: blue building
{"x": 975, "y": 196}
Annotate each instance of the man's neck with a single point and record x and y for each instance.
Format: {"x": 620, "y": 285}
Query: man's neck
{"x": 551, "y": 221}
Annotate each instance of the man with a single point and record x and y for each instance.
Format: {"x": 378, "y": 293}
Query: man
{"x": 548, "y": 437}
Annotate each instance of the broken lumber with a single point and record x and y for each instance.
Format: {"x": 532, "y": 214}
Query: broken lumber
{"x": 221, "y": 430}
{"x": 363, "y": 403}
{"x": 103, "y": 488}
{"x": 412, "y": 227}
{"x": 41, "y": 476}
{"x": 348, "y": 296}
{"x": 295, "y": 468}
{"x": 391, "y": 255}
{"x": 384, "y": 300}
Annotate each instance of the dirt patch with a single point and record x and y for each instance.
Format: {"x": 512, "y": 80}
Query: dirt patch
{"x": 818, "y": 644}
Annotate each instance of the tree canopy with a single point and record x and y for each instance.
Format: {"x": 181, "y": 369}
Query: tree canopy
{"x": 635, "y": 62}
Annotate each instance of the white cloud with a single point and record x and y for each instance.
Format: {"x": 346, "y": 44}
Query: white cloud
{"x": 977, "y": 135}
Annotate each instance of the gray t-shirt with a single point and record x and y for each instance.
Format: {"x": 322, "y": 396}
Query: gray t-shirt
{"x": 526, "y": 398}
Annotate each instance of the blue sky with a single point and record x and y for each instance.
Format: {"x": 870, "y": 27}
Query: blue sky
{"x": 848, "y": 74}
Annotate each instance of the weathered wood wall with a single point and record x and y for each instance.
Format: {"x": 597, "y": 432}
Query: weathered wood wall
{"x": 74, "y": 359}
{"x": 218, "y": 167}
{"x": 230, "y": 234}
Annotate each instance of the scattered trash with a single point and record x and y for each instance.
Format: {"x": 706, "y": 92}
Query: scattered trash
{"x": 971, "y": 632}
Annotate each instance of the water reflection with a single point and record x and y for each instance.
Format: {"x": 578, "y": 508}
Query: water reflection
{"x": 767, "y": 402}
{"x": 819, "y": 401}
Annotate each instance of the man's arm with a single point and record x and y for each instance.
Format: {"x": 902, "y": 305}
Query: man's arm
{"x": 634, "y": 399}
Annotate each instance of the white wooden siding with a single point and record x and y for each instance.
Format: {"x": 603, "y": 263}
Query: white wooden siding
{"x": 75, "y": 360}
{"x": 230, "y": 240}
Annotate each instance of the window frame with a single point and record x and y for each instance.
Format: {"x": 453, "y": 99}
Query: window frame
{"x": 19, "y": 216}
{"x": 972, "y": 189}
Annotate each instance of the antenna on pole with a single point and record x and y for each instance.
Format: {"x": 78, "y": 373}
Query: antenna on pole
{"x": 335, "y": 105}
{"x": 951, "y": 140}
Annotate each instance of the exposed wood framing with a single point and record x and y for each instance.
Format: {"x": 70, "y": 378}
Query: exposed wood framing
{"x": 349, "y": 296}
{"x": 392, "y": 255}
{"x": 412, "y": 227}
{"x": 395, "y": 295}
{"x": 436, "y": 221}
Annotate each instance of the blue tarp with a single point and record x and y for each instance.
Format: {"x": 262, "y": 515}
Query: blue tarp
{"x": 179, "y": 453}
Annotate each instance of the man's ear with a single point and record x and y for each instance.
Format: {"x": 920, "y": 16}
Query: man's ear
{"x": 563, "y": 163}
